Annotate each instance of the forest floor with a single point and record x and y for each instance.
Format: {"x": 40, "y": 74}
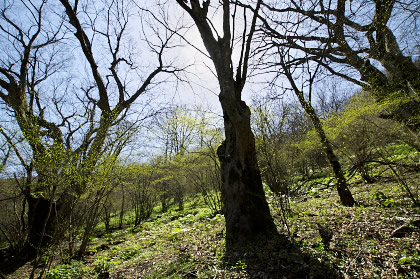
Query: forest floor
{"x": 355, "y": 242}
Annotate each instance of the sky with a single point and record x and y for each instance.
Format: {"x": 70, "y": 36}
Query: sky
{"x": 203, "y": 87}
{"x": 199, "y": 86}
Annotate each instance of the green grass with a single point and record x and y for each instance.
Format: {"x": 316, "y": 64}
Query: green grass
{"x": 362, "y": 246}
{"x": 190, "y": 243}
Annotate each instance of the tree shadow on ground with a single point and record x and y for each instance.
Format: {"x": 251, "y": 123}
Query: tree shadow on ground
{"x": 10, "y": 262}
{"x": 278, "y": 257}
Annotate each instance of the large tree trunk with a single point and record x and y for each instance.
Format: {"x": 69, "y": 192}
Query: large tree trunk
{"x": 41, "y": 222}
{"x": 405, "y": 77}
{"x": 47, "y": 219}
{"x": 245, "y": 207}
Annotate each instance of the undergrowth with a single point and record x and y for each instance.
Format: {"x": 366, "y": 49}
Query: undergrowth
{"x": 190, "y": 243}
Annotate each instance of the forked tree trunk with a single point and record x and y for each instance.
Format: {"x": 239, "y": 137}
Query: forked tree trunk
{"x": 400, "y": 86}
{"x": 246, "y": 211}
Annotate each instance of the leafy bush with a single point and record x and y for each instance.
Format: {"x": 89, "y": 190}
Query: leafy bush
{"x": 126, "y": 253}
{"x": 66, "y": 271}
{"x": 383, "y": 200}
{"x": 102, "y": 265}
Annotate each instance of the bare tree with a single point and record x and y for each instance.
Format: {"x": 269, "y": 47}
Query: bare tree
{"x": 31, "y": 59}
{"x": 67, "y": 136}
{"x": 346, "y": 198}
{"x": 104, "y": 181}
{"x": 245, "y": 208}
{"x": 355, "y": 41}
{"x": 141, "y": 191}
{"x": 269, "y": 127}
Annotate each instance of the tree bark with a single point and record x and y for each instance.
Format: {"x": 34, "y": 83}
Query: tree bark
{"x": 44, "y": 218}
{"x": 246, "y": 211}
{"x": 41, "y": 222}
{"x": 346, "y": 198}
{"x": 245, "y": 208}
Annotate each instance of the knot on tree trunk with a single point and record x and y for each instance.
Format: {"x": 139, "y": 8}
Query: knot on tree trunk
{"x": 221, "y": 151}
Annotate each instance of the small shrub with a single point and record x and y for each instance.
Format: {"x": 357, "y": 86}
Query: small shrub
{"x": 383, "y": 200}
{"x": 66, "y": 271}
{"x": 102, "y": 265}
{"x": 313, "y": 192}
{"x": 126, "y": 253}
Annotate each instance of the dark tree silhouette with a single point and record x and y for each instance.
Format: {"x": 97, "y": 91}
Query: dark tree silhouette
{"x": 244, "y": 205}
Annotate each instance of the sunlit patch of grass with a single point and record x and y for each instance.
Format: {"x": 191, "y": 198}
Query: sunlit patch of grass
{"x": 362, "y": 245}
